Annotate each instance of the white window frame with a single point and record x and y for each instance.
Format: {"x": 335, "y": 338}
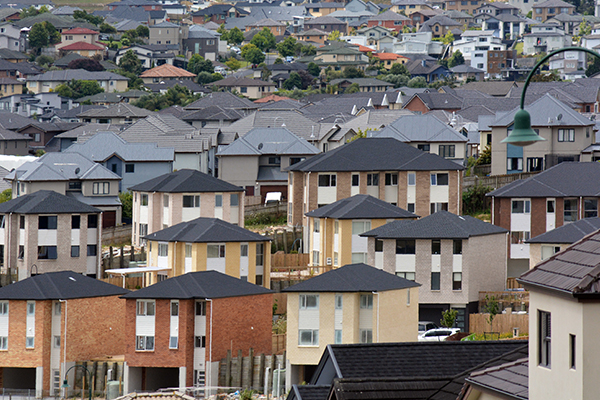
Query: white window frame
{"x": 304, "y": 303}
{"x": 314, "y": 337}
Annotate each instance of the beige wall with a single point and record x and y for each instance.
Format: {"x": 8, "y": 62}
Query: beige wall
{"x": 239, "y": 170}
{"x": 535, "y": 251}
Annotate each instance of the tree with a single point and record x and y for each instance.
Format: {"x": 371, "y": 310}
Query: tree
{"x": 592, "y": 69}
{"x": 307, "y": 79}
{"x": 399, "y": 69}
{"x": 126, "y": 203}
{"x": 125, "y": 41}
{"x": 456, "y": 59}
{"x": 313, "y": 69}
{"x": 223, "y": 32}
{"x": 233, "y": 64}
{"x": 106, "y": 28}
{"x": 199, "y": 64}
{"x": 353, "y": 72}
{"x": 176, "y": 95}
{"x": 492, "y": 308}
{"x": 264, "y": 40}
{"x": 287, "y": 47}
{"x": 83, "y": 15}
{"x": 6, "y": 196}
{"x": 448, "y": 39}
{"x": 130, "y": 63}
{"x": 417, "y": 82}
{"x": 334, "y": 36}
{"x": 448, "y": 318}
{"x": 76, "y": 89}
{"x": 32, "y": 11}
{"x": 252, "y": 54}
{"x": 294, "y": 81}
{"x": 142, "y": 31}
{"x": 354, "y": 88}
{"x": 86, "y": 63}
{"x": 235, "y": 36}
{"x": 359, "y": 135}
{"x": 38, "y": 36}
{"x": 44, "y": 61}
{"x": 305, "y": 50}
{"x": 486, "y": 156}
{"x": 396, "y": 80}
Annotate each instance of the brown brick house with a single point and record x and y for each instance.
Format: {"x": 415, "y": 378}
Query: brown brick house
{"x": 179, "y": 329}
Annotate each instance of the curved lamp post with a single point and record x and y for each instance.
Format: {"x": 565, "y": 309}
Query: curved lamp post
{"x": 66, "y": 383}
{"x": 522, "y": 134}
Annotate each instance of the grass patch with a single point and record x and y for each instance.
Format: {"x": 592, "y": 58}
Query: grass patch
{"x": 262, "y": 220}
{"x": 519, "y": 47}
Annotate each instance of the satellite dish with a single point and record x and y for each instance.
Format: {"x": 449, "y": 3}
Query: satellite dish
{"x": 77, "y": 171}
{"x": 260, "y": 146}
{"x": 559, "y": 117}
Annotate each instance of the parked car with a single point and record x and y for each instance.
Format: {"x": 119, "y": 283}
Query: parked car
{"x": 424, "y": 326}
{"x": 437, "y": 335}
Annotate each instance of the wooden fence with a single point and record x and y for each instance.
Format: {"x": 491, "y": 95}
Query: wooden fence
{"x": 517, "y": 300}
{"x": 281, "y": 260}
{"x": 248, "y": 372}
{"x": 511, "y": 283}
{"x": 496, "y": 181}
{"x": 503, "y": 323}
{"x": 279, "y": 343}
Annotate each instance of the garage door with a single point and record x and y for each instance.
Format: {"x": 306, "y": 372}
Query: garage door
{"x": 109, "y": 218}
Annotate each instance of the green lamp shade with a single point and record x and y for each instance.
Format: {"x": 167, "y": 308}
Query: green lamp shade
{"x": 522, "y": 134}
{"x": 65, "y": 384}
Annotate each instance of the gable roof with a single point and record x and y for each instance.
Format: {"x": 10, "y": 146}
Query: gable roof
{"x": 233, "y": 81}
{"x": 206, "y": 230}
{"x": 389, "y": 16}
{"x": 360, "y": 206}
{"x": 353, "y": 278}
{"x": 268, "y": 141}
{"x": 568, "y": 233}
{"x": 510, "y": 379}
{"x": 63, "y": 285}
{"x": 439, "y": 225}
{"x": 185, "y": 181}
{"x": 324, "y": 21}
{"x": 420, "y": 128}
{"x": 375, "y": 154}
{"x": 166, "y": 71}
{"x": 221, "y": 99}
{"x": 199, "y": 285}
{"x": 79, "y": 31}
{"x": 116, "y": 110}
{"x": 77, "y": 74}
{"x": 46, "y": 202}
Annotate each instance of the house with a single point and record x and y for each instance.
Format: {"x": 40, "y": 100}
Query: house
{"x": 72, "y": 175}
{"x": 569, "y": 22}
{"x": 326, "y": 24}
{"x": 510, "y": 26}
{"x": 385, "y": 168}
{"x": 133, "y": 162}
{"x": 443, "y": 251}
{"x": 324, "y": 8}
{"x": 463, "y": 72}
{"x": 164, "y": 33}
{"x": 419, "y": 17}
{"x": 420, "y": 43}
{"x": 11, "y": 38}
{"x": 178, "y": 330}
{"x": 84, "y": 49}
{"x": 428, "y": 69}
{"x": 409, "y": 6}
{"x": 440, "y": 25}
{"x": 566, "y": 131}
{"x": 468, "y": 7}
{"x": 275, "y": 27}
{"x": 545, "y": 38}
{"x": 352, "y": 18}
{"x": 257, "y": 160}
{"x": 42, "y": 318}
{"x": 217, "y": 13}
{"x": 78, "y": 36}
{"x": 149, "y": 55}
{"x": 335, "y": 228}
{"x": 14, "y": 144}
{"x": 209, "y": 244}
{"x": 165, "y": 72}
{"x": 555, "y": 197}
{"x": 460, "y": 17}
{"x": 550, "y": 8}
{"x": 558, "y": 239}
{"x": 389, "y": 59}
{"x": 352, "y": 304}
{"x": 471, "y": 41}
{"x": 570, "y": 64}
{"x": 10, "y": 86}
{"x": 364, "y": 84}
{"x": 338, "y": 57}
{"x": 52, "y": 231}
{"x": 247, "y": 87}
{"x": 390, "y": 20}
{"x": 499, "y": 61}
{"x": 181, "y": 196}
{"x": 313, "y": 35}
{"x": 119, "y": 113}
{"x": 422, "y": 103}
{"x": 48, "y": 81}
{"x": 198, "y": 40}
{"x": 429, "y": 134}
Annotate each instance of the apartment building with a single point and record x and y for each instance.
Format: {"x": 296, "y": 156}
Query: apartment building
{"x": 179, "y": 329}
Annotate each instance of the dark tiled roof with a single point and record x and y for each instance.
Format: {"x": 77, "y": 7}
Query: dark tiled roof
{"x": 569, "y": 233}
{"x": 310, "y": 392}
{"x": 353, "y": 278}
{"x": 59, "y": 285}
{"x": 199, "y": 285}
{"x": 185, "y": 181}
{"x": 206, "y": 230}
{"x": 507, "y": 379}
{"x": 360, "y": 206}
{"x": 376, "y": 154}
{"x": 440, "y": 225}
{"x": 562, "y": 180}
{"x": 388, "y": 388}
{"x": 221, "y": 99}
{"x": 46, "y": 202}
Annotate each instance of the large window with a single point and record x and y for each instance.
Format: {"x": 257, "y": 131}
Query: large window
{"x": 93, "y": 221}
{"x": 521, "y": 206}
{"x": 234, "y": 200}
{"x": 359, "y": 227}
{"x": 435, "y": 281}
{"x": 308, "y": 337}
{"x": 590, "y": 207}
{"x": 544, "y": 338}
{"x": 92, "y": 250}
{"x": 75, "y": 221}
{"x": 405, "y": 246}
{"x": 439, "y": 179}
{"x": 570, "y": 210}
{"x": 566, "y": 135}
{"x": 514, "y": 164}
{"x": 457, "y": 246}
{"x": 446, "y": 150}
{"x": 218, "y": 200}
{"x": 372, "y": 179}
{"x": 366, "y": 335}
{"x": 436, "y": 247}
{"x": 355, "y": 180}
{"x": 47, "y": 253}
{"x": 47, "y": 222}
{"x": 406, "y": 275}
{"x": 391, "y": 179}
{"x": 144, "y": 199}
{"x": 144, "y": 343}
{"x": 145, "y": 307}
{"x": 366, "y": 301}
{"x": 549, "y": 251}
{"x": 163, "y": 249}
{"x": 200, "y": 342}
{"x": 309, "y": 301}
{"x": 412, "y": 179}
{"x": 327, "y": 180}
{"x": 519, "y": 237}
{"x": 535, "y": 164}
{"x": 215, "y": 251}
{"x": 200, "y": 308}
{"x": 191, "y": 201}
{"x": 101, "y": 188}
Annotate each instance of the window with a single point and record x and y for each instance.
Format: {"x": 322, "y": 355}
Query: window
{"x": 457, "y": 281}
{"x": 57, "y": 341}
{"x": 22, "y": 222}
{"x": 200, "y": 342}
{"x": 296, "y": 160}
{"x": 75, "y": 221}
{"x": 145, "y": 307}
{"x": 47, "y": 253}
{"x": 435, "y": 281}
{"x": 535, "y": 164}
{"x": 37, "y": 137}
{"x": 405, "y": 246}
{"x": 336, "y": 227}
{"x": 327, "y": 180}
{"x": 93, "y": 221}
{"x": 366, "y": 335}
{"x": 243, "y": 250}
{"x": 439, "y": 179}
{"x": 308, "y": 337}
{"x": 260, "y": 254}
{"x": 424, "y": 147}
{"x": 102, "y": 188}
{"x": 165, "y": 200}
{"x": 57, "y": 308}
{"x": 544, "y": 338}
{"x": 566, "y": 135}
{"x": 338, "y": 336}
{"x": 372, "y": 179}
{"x": 200, "y": 308}
{"x": 234, "y": 200}
{"x": 215, "y": 251}
{"x": 358, "y": 258}
{"x": 129, "y": 168}
{"x": 243, "y": 89}
{"x": 4, "y": 343}
{"x": 549, "y": 251}
{"x": 366, "y": 301}
{"x": 92, "y": 250}
{"x": 191, "y": 201}
{"x": 412, "y": 179}
{"x": 21, "y": 252}
{"x": 572, "y": 350}
{"x": 275, "y": 160}
{"x": 457, "y": 246}
{"x": 144, "y": 199}
{"x": 436, "y": 247}
{"x": 338, "y": 301}
{"x": 355, "y": 179}
{"x": 570, "y": 210}
{"x": 29, "y": 342}
{"x": 514, "y": 164}
{"x": 359, "y": 227}
{"x": 173, "y": 342}
{"x": 406, "y": 275}
{"x": 590, "y": 207}
{"x": 521, "y": 206}
{"x": 47, "y": 222}
{"x": 410, "y": 207}
{"x": 391, "y": 179}
{"x": 316, "y": 225}
{"x": 518, "y": 237}
{"x": 218, "y": 200}
{"x": 163, "y": 249}
{"x": 309, "y": 301}
{"x": 446, "y": 150}
{"x": 74, "y": 251}
{"x": 143, "y": 230}
{"x": 144, "y": 343}
{"x": 378, "y": 245}
{"x": 3, "y": 307}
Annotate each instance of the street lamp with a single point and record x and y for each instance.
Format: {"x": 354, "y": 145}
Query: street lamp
{"x": 522, "y": 134}
{"x": 66, "y": 385}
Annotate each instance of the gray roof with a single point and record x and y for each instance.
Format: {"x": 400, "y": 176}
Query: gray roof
{"x": 199, "y": 285}
{"x": 164, "y": 24}
{"x": 116, "y": 110}
{"x": 185, "y": 181}
{"x": 360, "y": 206}
{"x": 510, "y": 379}
{"x": 104, "y": 145}
{"x": 77, "y": 74}
{"x": 88, "y": 130}
{"x": 5, "y": 134}
{"x": 46, "y": 202}
{"x": 260, "y": 141}
{"x": 353, "y": 278}
{"x": 420, "y": 128}
{"x": 568, "y": 233}
{"x": 375, "y": 154}
{"x": 563, "y": 180}
{"x": 206, "y": 230}
{"x": 440, "y": 225}
{"x": 554, "y": 3}
{"x": 440, "y": 19}
{"x": 222, "y": 99}
{"x": 498, "y": 88}
{"x": 64, "y": 285}
{"x": 362, "y": 82}
{"x": 463, "y": 69}
{"x": 213, "y": 113}
{"x": 324, "y": 20}
{"x": 389, "y": 16}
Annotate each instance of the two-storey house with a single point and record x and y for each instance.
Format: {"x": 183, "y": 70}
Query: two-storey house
{"x": 467, "y": 6}
{"x": 545, "y": 38}
{"x": 551, "y": 8}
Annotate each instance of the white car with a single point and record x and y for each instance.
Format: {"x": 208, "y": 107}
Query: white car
{"x": 437, "y": 335}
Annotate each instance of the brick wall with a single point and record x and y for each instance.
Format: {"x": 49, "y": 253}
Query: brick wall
{"x": 402, "y": 185}
{"x": 538, "y": 216}
{"x": 299, "y": 200}
{"x": 344, "y": 182}
{"x": 417, "y": 105}
{"x": 455, "y": 192}
{"x": 423, "y": 188}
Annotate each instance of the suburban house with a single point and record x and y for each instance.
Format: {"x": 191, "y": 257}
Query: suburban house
{"x": 422, "y": 103}
{"x": 247, "y": 87}
{"x": 555, "y": 197}
{"x": 52, "y": 231}
{"x": 390, "y": 20}
{"x": 275, "y": 27}
{"x": 352, "y": 304}
{"x": 471, "y": 41}
{"x": 210, "y": 244}
{"x": 428, "y": 69}
{"x": 545, "y": 38}
{"x": 133, "y": 162}
{"x": 441, "y": 25}
{"x": 326, "y": 24}
{"x": 444, "y": 253}
{"x": 551, "y": 8}
{"x": 72, "y": 175}
{"x": 334, "y": 229}
{"x": 338, "y": 57}
{"x": 566, "y": 131}
{"x": 385, "y": 168}
{"x": 202, "y": 41}
{"x": 155, "y": 54}
{"x": 10, "y": 86}
{"x": 468, "y": 7}
{"x": 45, "y": 318}
{"x": 182, "y": 196}
{"x": 164, "y": 33}
{"x": 82, "y": 41}
{"x": 179, "y": 329}
{"x": 257, "y": 160}
{"x": 313, "y": 35}
{"x": 165, "y": 72}
{"x": 388, "y": 60}
{"x": 12, "y": 143}
{"x": 463, "y": 72}
{"x": 119, "y": 113}
{"x": 417, "y": 43}
{"x": 364, "y": 84}
{"x": 217, "y": 13}
{"x": 48, "y": 81}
